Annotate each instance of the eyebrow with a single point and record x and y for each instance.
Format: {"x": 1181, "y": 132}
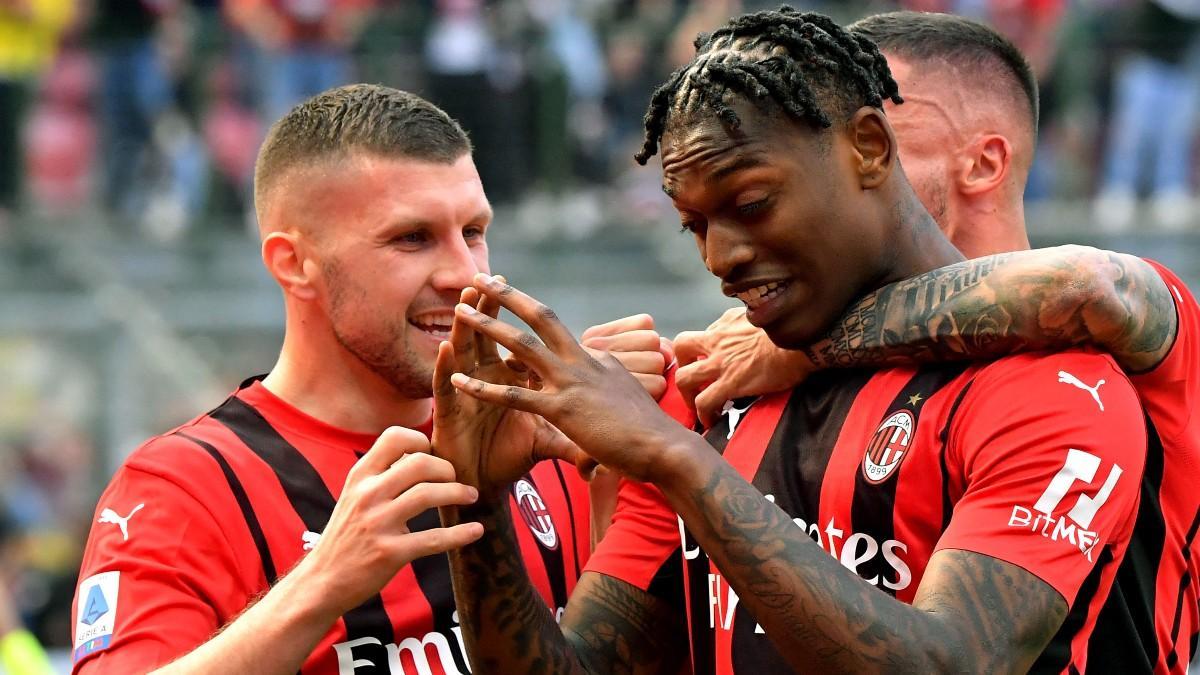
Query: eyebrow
{"x": 741, "y": 163}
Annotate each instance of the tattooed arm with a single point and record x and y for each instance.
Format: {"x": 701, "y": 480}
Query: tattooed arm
{"x": 1042, "y": 299}
{"x": 609, "y": 627}
{"x": 972, "y": 613}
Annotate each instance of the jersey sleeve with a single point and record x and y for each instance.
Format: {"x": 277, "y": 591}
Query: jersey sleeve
{"x": 1048, "y": 452}
{"x": 641, "y": 543}
{"x": 158, "y": 576}
{"x": 1171, "y": 390}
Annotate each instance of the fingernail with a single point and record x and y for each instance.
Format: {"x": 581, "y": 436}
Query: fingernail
{"x": 465, "y": 308}
{"x": 458, "y": 379}
{"x": 472, "y": 493}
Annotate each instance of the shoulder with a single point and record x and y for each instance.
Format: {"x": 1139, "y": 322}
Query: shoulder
{"x": 1042, "y": 394}
{"x": 1049, "y": 370}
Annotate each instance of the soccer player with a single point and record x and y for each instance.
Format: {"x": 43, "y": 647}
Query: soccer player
{"x": 259, "y": 537}
{"x": 1136, "y": 310}
{"x": 942, "y": 519}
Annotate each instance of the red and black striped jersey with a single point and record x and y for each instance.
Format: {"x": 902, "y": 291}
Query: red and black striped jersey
{"x": 1155, "y": 594}
{"x": 200, "y": 521}
{"x": 1034, "y": 459}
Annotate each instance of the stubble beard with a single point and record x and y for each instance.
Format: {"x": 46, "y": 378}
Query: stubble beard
{"x": 382, "y": 346}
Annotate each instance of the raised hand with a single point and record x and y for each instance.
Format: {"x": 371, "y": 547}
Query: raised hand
{"x": 594, "y": 401}
{"x": 367, "y": 539}
{"x": 731, "y": 359}
{"x": 490, "y": 446}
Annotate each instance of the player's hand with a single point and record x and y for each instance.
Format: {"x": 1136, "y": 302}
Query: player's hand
{"x": 367, "y": 539}
{"x": 634, "y": 342}
{"x": 594, "y": 401}
{"x": 490, "y": 446}
{"x": 732, "y": 359}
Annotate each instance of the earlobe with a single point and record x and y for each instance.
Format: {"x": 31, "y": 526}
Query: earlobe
{"x": 874, "y": 146}
{"x": 988, "y": 167}
{"x": 283, "y": 256}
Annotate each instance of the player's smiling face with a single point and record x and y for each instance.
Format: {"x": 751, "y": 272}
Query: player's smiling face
{"x": 405, "y": 237}
{"x": 778, "y": 214}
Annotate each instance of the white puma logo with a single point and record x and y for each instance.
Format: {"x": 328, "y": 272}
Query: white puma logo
{"x": 735, "y": 415}
{"x": 110, "y": 516}
{"x": 310, "y": 539}
{"x": 1067, "y": 378}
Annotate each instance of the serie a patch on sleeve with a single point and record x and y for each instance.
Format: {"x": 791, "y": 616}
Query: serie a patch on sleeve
{"x": 97, "y": 613}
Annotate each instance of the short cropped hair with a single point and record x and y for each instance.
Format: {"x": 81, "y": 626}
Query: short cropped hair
{"x": 362, "y": 118}
{"x": 923, "y": 36}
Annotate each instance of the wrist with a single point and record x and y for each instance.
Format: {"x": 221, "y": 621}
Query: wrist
{"x": 306, "y": 596}
{"x": 680, "y": 452}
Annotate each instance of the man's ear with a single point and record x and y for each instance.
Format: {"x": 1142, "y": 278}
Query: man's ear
{"x": 285, "y": 257}
{"x": 986, "y": 165}
{"x": 874, "y": 145}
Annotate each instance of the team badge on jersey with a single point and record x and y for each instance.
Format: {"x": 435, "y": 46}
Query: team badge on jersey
{"x": 537, "y": 516}
{"x": 97, "y": 613}
{"x": 888, "y": 447}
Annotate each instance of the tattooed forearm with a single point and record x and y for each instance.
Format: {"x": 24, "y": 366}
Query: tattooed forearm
{"x": 971, "y": 611}
{"x": 618, "y": 628}
{"x": 506, "y": 626}
{"x": 988, "y": 307}
{"x": 609, "y": 626}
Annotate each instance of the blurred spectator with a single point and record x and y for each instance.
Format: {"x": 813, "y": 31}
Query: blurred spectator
{"x": 232, "y": 132}
{"x": 1155, "y": 99}
{"x": 60, "y": 137}
{"x": 29, "y": 36}
{"x": 303, "y": 46}
{"x": 133, "y": 92}
{"x": 20, "y": 651}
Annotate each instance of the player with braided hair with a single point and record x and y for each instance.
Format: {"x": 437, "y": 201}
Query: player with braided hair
{"x": 965, "y": 518}
{"x": 807, "y": 38}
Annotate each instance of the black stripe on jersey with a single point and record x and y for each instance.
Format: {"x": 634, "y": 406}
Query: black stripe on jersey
{"x": 943, "y": 438}
{"x": 1128, "y": 610}
{"x": 704, "y": 648}
{"x": 872, "y": 510}
{"x": 243, "y": 501}
{"x": 562, "y": 481}
{"x": 433, "y": 578}
{"x": 1184, "y": 582}
{"x": 552, "y": 559}
{"x": 312, "y": 501}
{"x": 1057, "y": 655}
{"x": 798, "y": 454}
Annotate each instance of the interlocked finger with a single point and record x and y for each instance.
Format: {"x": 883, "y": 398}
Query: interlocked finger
{"x": 537, "y": 316}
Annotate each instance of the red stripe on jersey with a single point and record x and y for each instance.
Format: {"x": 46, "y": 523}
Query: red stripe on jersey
{"x": 754, "y": 433}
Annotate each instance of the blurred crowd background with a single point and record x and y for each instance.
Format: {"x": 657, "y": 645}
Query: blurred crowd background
{"x": 131, "y": 296}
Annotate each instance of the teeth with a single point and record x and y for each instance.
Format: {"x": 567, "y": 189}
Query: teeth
{"x": 437, "y": 324}
{"x": 760, "y": 294}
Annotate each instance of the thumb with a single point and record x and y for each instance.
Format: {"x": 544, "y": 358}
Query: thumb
{"x": 550, "y": 443}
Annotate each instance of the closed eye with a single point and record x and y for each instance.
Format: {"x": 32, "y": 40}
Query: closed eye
{"x": 753, "y": 207}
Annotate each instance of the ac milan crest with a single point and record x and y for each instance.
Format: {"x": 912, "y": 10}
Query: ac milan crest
{"x": 535, "y": 513}
{"x": 888, "y": 447}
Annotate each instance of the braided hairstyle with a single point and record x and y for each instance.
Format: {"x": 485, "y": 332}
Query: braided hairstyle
{"x": 803, "y": 63}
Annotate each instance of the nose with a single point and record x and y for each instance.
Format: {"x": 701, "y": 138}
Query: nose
{"x": 725, "y": 249}
{"x": 458, "y": 264}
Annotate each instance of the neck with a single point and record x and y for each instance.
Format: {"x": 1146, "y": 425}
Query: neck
{"x": 318, "y": 377}
{"x": 980, "y": 227}
{"x": 921, "y": 246}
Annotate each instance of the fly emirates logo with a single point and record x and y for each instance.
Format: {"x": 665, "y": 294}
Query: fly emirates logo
{"x": 434, "y": 654}
{"x": 851, "y": 551}
{"x": 1072, "y": 527}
